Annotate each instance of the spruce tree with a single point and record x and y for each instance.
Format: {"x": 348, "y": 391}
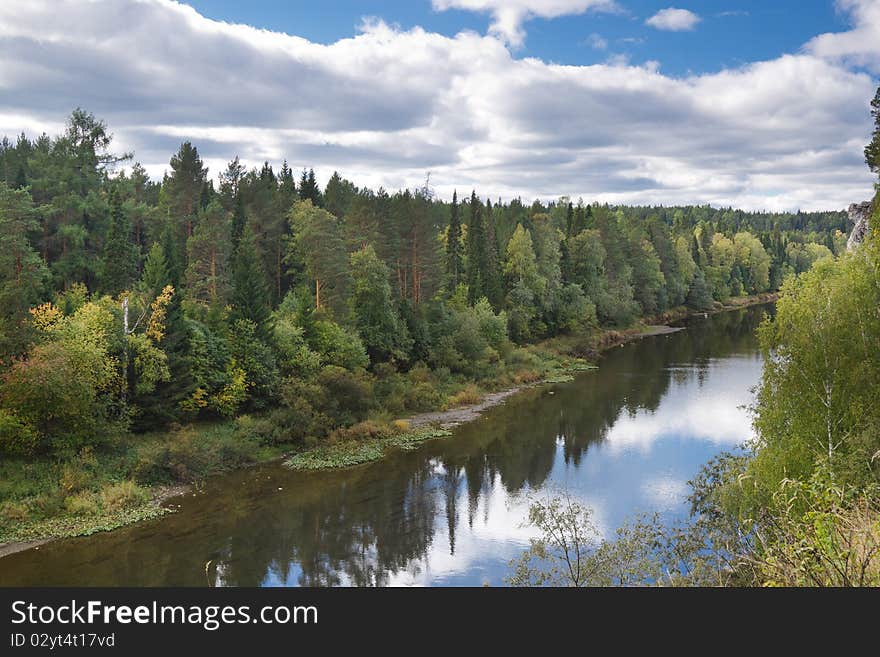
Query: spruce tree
{"x": 120, "y": 262}
{"x": 239, "y": 221}
{"x": 476, "y": 251}
{"x": 250, "y": 294}
{"x": 492, "y": 274}
{"x": 23, "y": 274}
{"x": 569, "y": 221}
{"x": 155, "y": 276}
{"x": 454, "y": 256}
{"x": 308, "y": 188}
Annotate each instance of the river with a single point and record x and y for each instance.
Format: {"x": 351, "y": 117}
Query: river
{"x": 624, "y": 439}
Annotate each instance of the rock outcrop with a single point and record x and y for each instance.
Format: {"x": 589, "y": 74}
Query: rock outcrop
{"x": 859, "y": 215}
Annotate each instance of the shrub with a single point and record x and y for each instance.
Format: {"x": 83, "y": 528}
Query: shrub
{"x": 400, "y": 425}
{"x": 13, "y": 511}
{"x": 17, "y": 437}
{"x": 254, "y": 429}
{"x": 367, "y": 430}
{"x": 82, "y": 504}
{"x": 348, "y": 395}
{"x": 524, "y": 359}
{"x": 123, "y": 495}
{"x": 422, "y": 397}
{"x": 73, "y": 479}
{"x": 470, "y": 394}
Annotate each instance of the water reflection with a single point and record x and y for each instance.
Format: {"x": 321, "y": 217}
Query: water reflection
{"x": 623, "y": 439}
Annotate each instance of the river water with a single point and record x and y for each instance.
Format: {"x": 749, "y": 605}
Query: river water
{"x": 624, "y": 439}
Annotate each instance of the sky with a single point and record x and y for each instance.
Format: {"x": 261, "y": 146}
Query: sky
{"x": 757, "y": 105}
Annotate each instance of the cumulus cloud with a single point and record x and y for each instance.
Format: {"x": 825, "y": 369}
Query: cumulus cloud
{"x": 859, "y": 46}
{"x": 508, "y": 16}
{"x": 387, "y": 105}
{"x": 674, "y": 20}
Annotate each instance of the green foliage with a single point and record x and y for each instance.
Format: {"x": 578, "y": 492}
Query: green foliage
{"x": 257, "y": 360}
{"x": 250, "y": 296}
{"x": 318, "y": 243}
{"x": 470, "y": 340}
{"x": 23, "y": 274}
{"x": 66, "y": 389}
{"x": 699, "y": 295}
{"x": 17, "y": 437}
{"x": 208, "y": 274}
{"x": 454, "y": 251}
{"x": 872, "y": 150}
{"x": 121, "y": 255}
{"x": 818, "y": 393}
{"x": 372, "y": 307}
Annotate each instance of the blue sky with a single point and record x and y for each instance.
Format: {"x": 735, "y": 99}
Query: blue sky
{"x": 757, "y": 105}
{"x": 730, "y": 33}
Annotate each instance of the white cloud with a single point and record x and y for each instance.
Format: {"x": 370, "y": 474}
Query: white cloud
{"x": 386, "y": 106}
{"x": 674, "y": 20}
{"x": 508, "y": 16}
{"x": 597, "y": 42}
{"x": 859, "y": 46}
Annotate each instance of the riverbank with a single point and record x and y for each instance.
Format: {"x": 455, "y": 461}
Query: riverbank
{"x": 163, "y": 465}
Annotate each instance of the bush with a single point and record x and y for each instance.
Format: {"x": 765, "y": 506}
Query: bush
{"x": 348, "y": 396}
{"x": 422, "y": 397}
{"x": 255, "y": 429}
{"x": 17, "y": 437}
{"x": 123, "y": 495}
{"x": 523, "y": 359}
{"x": 13, "y": 511}
{"x": 367, "y": 430}
{"x": 74, "y": 478}
{"x": 191, "y": 453}
{"x": 470, "y": 394}
{"x": 400, "y": 425}
{"x": 82, "y": 504}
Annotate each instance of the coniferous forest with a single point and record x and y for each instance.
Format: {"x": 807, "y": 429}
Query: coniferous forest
{"x": 156, "y": 331}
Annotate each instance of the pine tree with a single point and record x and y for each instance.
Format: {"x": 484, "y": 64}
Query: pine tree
{"x": 120, "y": 262}
{"x": 230, "y": 181}
{"x": 872, "y": 150}
{"x": 208, "y": 254}
{"x": 250, "y": 295}
{"x": 454, "y": 256}
{"x": 182, "y": 197}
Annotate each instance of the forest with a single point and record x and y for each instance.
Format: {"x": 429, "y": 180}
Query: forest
{"x": 154, "y": 331}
